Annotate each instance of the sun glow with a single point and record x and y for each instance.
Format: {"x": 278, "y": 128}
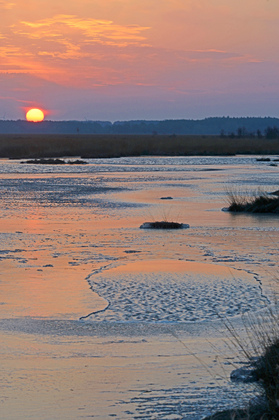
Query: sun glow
{"x": 35, "y": 115}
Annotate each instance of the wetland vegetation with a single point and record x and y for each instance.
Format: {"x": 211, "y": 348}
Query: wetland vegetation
{"x": 20, "y": 146}
{"x": 261, "y": 351}
{"x": 259, "y": 203}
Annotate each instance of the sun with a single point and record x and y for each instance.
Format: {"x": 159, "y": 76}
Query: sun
{"x": 35, "y": 115}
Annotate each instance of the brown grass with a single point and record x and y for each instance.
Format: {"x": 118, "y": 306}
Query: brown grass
{"x": 96, "y": 146}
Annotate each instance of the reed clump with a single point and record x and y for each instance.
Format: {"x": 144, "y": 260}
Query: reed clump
{"x": 258, "y": 203}
{"x": 164, "y": 224}
{"x": 260, "y": 346}
{"x": 267, "y": 370}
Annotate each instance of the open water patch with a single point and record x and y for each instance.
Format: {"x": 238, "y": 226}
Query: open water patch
{"x": 174, "y": 291}
{"x": 58, "y": 191}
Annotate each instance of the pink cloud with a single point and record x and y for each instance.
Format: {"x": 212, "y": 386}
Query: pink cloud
{"x": 137, "y": 52}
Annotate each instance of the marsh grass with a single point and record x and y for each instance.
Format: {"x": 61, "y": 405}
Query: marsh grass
{"x": 166, "y": 221}
{"x": 259, "y": 347}
{"x": 163, "y": 224}
{"x": 259, "y": 202}
{"x": 261, "y": 350}
{"x": 260, "y": 343}
{"x": 105, "y": 146}
{"x": 256, "y": 342}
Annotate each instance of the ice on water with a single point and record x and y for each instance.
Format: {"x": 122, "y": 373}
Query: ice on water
{"x": 221, "y": 266}
{"x": 178, "y": 291}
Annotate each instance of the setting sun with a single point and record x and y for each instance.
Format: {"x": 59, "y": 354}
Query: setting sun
{"x": 35, "y": 115}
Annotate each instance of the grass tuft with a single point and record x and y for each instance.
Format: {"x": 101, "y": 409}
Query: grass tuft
{"x": 267, "y": 370}
{"x": 259, "y": 203}
{"x": 163, "y": 225}
{"x": 261, "y": 350}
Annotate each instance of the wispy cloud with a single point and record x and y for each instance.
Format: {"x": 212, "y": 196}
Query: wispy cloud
{"x": 50, "y": 47}
{"x": 6, "y": 5}
{"x": 66, "y": 27}
{"x": 71, "y": 51}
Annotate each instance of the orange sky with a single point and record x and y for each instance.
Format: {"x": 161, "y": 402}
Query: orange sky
{"x": 129, "y": 59}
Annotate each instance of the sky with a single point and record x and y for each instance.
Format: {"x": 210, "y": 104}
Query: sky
{"x": 139, "y": 59}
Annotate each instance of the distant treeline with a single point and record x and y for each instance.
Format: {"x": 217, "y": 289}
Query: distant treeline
{"x": 242, "y": 132}
{"x": 225, "y": 126}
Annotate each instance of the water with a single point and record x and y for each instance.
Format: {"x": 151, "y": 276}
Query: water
{"x": 174, "y": 291}
{"x": 82, "y": 282}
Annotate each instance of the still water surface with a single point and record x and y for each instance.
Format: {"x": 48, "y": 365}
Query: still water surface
{"x": 75, "y": 263}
